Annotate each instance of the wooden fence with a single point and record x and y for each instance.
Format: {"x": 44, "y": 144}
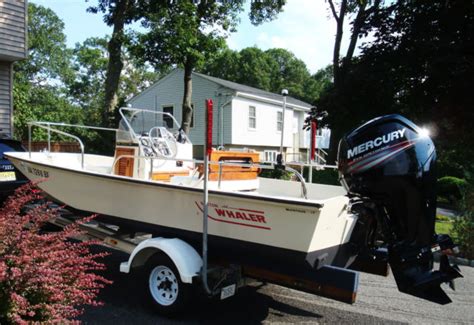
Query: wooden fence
{"x": 55, "y": 146}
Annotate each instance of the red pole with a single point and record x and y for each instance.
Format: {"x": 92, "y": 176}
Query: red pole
{"x": 314, "y": 128}
{"x": 209, "y": 106}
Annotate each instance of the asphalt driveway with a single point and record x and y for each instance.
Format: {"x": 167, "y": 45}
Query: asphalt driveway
{"x": 378, "y": 301}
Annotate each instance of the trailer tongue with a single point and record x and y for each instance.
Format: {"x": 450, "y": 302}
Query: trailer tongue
{"x": 387, "y": 166}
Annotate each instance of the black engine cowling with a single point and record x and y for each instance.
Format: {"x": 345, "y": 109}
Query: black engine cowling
{"x": 389, "y": 163}
{"x": 392, "y": 161}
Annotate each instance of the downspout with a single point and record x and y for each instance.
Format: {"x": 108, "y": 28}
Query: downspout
{"x": 222, "y": 120}
{"x": 221, "y": 117}
{"x": 280, "y": 160}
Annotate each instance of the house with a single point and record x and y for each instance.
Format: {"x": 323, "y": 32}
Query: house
{"x": 244, "y": 117}
{"x": 13, "y": 47}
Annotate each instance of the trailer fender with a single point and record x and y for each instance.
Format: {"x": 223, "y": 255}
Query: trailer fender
{"x": 184, "y": 256}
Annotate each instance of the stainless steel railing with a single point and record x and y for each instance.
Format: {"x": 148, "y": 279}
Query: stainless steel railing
{"x": 47, "y": 126}
{"x": 304, "y": 192}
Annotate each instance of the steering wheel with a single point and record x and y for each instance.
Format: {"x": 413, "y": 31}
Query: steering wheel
{"x": 164, "y": 145}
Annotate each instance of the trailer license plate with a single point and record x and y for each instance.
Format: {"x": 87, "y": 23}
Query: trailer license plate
{"x": 228, "y": 291}
{"x": 7, "y": 176}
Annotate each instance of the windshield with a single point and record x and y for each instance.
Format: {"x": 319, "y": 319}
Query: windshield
{"x": 138, "y": 122}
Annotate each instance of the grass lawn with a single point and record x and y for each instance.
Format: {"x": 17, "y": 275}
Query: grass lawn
{"x": 443, "y": 227}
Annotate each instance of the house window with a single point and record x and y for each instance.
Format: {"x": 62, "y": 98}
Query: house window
{"x": 252, "y": 117}
{"x": 270, "y": 155}
{"x": 167, "y": 120}
{"x": 279, "y": 121}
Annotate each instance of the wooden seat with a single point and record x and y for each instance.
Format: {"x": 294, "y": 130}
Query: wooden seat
{"x": 165, "y": 176}
{"x": 124, "y": 166}
{"x": 233, "y": 172}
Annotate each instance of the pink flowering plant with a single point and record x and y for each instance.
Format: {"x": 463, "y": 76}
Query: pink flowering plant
{"x": 44, "y": 276}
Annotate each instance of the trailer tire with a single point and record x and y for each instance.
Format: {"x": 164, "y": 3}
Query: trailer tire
{"x": 166, "y": 292}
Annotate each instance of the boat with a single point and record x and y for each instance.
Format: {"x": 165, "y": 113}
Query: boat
{"x": 296, "y": 229}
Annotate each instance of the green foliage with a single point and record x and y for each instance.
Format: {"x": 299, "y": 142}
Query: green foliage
{"x": 265, "y": 10}
{"x": 90, "y": 65}
{"x": 450, "y": 188}
{"x": 420, "y": 65}
{"x": 463, "y": 226}
{"x": 444, "y": 227}
{"x": 276, "y": 173}
{"x": 442, "y": 218}
{"x": 186, "y": 33}
{"x": 327, "y": 176}
{"x": 48, "y": 55}
{"x": 39, "y": 81}
{"x": 41, "y": 104}
{"x": 270, "y": 70}
{"x": 58, "y": 84}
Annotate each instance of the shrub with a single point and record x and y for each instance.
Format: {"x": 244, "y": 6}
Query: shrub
{"x": 450, "y": 188}
{"x": 275, "y": 173}
{"x": 442, "y": 218}
{"x": 327, "y": 176}
{"x": 44, "y": 277}
{"x": 463, "y": 226}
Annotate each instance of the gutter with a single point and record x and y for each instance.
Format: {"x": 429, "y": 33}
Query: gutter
{"x": 272, "y": 101}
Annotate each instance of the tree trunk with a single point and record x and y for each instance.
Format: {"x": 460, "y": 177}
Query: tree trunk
{"x": 115, "y": 64}
{"x": 337, "y": 44}
{"x": 187, "y": 98}
{"x": 359, "y": 20}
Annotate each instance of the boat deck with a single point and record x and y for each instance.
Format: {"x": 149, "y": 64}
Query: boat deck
{"x": 103, "y": 165}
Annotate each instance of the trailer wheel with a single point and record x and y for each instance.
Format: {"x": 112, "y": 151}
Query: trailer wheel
{"x": 167, "y": 292}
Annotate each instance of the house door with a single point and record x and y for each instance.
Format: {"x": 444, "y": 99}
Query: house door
{"x": 296, "y": 140}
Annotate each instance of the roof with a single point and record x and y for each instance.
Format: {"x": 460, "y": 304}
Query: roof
{"x": 253, "y": 91}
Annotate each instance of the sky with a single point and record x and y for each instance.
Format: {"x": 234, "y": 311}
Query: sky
{"x": 304, "y": 28}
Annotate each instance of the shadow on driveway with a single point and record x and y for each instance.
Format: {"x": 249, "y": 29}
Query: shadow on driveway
{"x": 125, "y": 303}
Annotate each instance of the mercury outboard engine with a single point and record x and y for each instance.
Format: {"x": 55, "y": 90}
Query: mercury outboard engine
{"x": 387, "y": 166}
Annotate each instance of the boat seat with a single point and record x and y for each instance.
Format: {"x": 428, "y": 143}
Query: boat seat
{"x": 125, "y": 165}
{"x": 165, "y": 175}
{"x": 229, "y": 172}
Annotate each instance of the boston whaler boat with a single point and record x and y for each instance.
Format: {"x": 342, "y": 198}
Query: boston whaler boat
{"x": 305, "y": 236}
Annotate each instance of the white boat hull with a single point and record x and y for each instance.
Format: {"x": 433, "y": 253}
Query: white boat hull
{"x": 277, "y": 223}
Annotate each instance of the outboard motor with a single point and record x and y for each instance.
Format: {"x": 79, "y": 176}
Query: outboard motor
{"x": 388, "y": 166}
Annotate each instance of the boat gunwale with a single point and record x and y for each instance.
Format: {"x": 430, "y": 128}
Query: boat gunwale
{"x": 260, "y": 197}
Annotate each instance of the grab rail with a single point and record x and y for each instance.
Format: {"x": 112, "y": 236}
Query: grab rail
{"x": 304, "y": 192}
{"x": 47, "y": 126}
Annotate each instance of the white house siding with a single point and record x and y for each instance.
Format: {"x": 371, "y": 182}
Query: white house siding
{"x": 169, "y": 91}
{"x": 265, "y": 134}
{"x": 230, "y": 116}
{"x": 5, "y": 97}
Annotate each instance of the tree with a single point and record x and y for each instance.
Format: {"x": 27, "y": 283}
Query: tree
{"x": 290, "y": 73}
{"x": 186, "y": 34}
{"x": 426, "y": 52}
{"x": 362, "y": 9}
{"x": 48, "y": 56}
{"x": 323, "y": 79}
{"x": 117, "y": 13}
{"x": 420, "y": 65}
{"x": 90, "y": 63}
{"x": 40, "y": 81}
{"x": 270, "y": 70}
{"x": 265, "y": 10}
